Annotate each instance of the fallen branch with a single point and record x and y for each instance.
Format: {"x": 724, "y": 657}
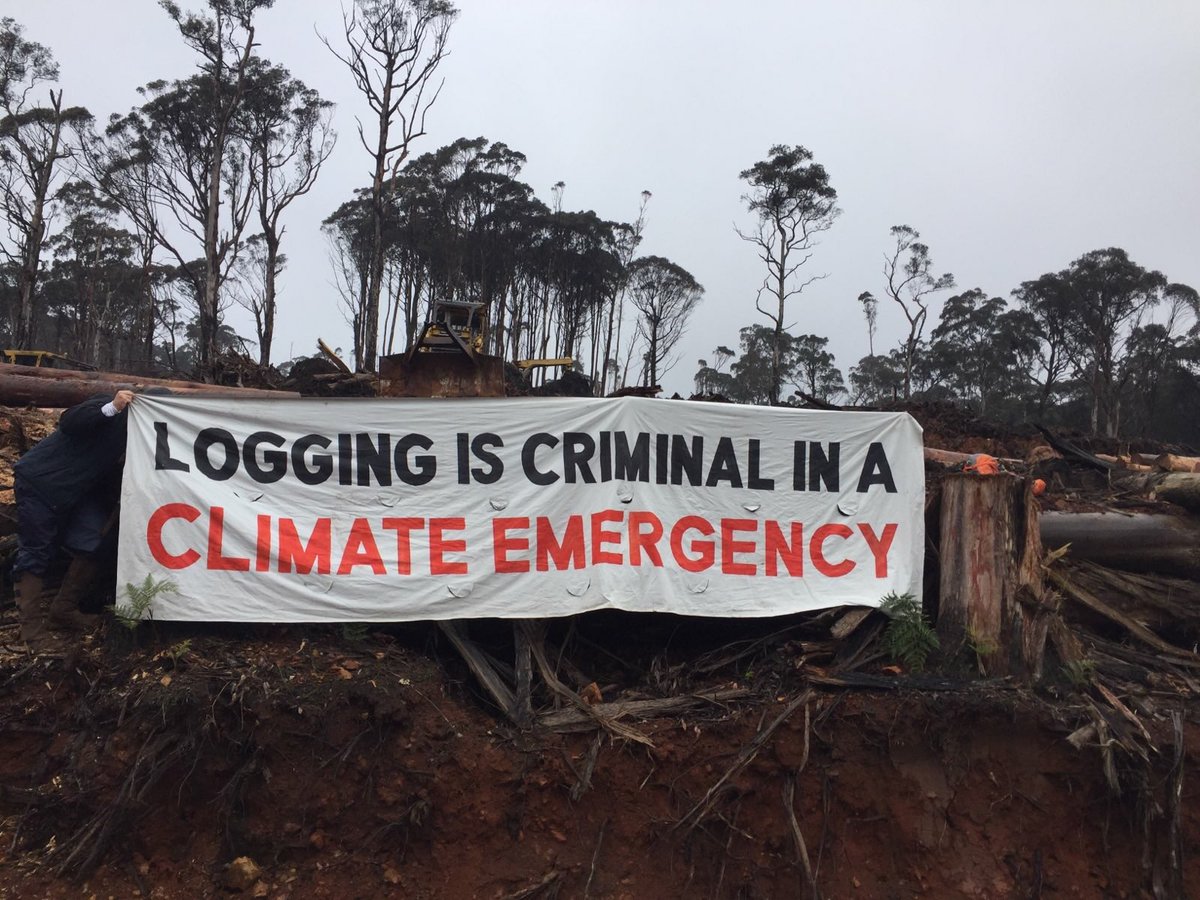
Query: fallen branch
{"x": 789, "y": 805}
{"x": 1182, "y": 489}
{"x": 789, "y": 791}
{"x": 538, "y": 646}
{"x": 1067, "y": 449}
{"x": 567, "y": 720}
{"x": 482, "y": 669}
{"x": 1169, "y": 462}
{"x": 1177, "y": 655}
{"x": 549, "y": 880}
{"x": 589, "y": 766}
{"x": 751, "y": 750}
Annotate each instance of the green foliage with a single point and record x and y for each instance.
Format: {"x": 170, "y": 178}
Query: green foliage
{"x": 141, "y": 597}
{"x": 909, "y": 639}
{"x": 178, "y": 651}
{"x": 1079, "y": 671}
{"x": 982, "y": 646}
{"x": 804, "y": 364}
{"x": 354, "y": 631}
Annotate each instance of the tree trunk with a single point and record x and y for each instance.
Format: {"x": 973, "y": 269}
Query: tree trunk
{"x": 1139, "y": 542}
{"x": 1180, "y": 488}
{"x": 991, "y": 578}
{"x": 29, "y": 386}
{"x": 268, "y": 313}
{"x": 26, "y": 331}
{"x": 1169, "y": 462}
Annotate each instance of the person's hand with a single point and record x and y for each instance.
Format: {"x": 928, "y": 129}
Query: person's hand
{"x": 122, "y": 399}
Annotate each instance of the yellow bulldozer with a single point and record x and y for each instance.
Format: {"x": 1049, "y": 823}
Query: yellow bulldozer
{"x": 447, "y": 358}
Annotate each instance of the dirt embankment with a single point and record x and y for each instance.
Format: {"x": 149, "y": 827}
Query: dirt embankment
{"x": 294, "y": 763}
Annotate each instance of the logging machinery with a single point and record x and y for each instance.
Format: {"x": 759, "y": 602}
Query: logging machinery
{"x": 446, "y": 359}
{"x": 44, "y": 359}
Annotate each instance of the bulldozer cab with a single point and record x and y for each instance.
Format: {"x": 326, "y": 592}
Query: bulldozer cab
{"x": 447, "y": 358}
{"x": 456, "y": 326}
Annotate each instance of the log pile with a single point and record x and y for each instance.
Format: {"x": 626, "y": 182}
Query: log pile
{"x": 1101, "y": 574}
{"x": 60, "y": 388}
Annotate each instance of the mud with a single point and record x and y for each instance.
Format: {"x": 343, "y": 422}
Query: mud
{"x": 294, "y": 763}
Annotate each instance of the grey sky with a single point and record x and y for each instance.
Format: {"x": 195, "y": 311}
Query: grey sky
{"x": 1013, "y": 136}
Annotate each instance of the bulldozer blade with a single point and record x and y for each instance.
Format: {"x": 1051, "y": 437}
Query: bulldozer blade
{"x": 441, "y": 375}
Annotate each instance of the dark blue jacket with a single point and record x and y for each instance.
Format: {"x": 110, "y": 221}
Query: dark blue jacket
{"x": 86, "y": 450}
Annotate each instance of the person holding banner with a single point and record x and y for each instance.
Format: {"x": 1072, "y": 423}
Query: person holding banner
{"x": 66, "y": 489}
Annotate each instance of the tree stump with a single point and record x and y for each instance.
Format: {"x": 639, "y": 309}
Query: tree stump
{"x": 992, "y": 593}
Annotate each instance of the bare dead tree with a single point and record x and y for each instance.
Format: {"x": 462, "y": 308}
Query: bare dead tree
{"x": 792, "y": 202}
{"x": 393, "y": 49}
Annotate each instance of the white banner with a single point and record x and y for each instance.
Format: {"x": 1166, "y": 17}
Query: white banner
{"x": 376, "y": 510}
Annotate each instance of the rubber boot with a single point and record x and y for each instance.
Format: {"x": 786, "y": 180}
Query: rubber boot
{"x": 32, "y": 614}
{"x": 64, "y": 614}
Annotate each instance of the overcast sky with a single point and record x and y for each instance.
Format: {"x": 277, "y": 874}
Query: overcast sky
{"x": 1014, "y": 136}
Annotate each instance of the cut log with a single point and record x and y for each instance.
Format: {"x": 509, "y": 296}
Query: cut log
{"x": 1135, "y": 542}
{"x": 992, "y": 591}
{"x": 953, "y": 458}
{"x": 1180, "y": 488}
{"x": 31, "y": 386}
{"x": 1169, "y": 462}
{"x": 1124, "y": 462}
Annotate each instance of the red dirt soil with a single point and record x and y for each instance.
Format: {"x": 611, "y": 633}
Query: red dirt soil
{"x": 358, "y": 769}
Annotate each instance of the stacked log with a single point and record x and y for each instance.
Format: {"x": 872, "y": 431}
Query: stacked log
{"x": 36, "y": 386}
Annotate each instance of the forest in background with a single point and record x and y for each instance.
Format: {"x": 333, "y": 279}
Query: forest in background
{"x": 126, "y": 243}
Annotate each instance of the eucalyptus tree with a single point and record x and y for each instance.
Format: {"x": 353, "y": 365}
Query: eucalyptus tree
{"x": 583, "y": 273}
{"x": 910, "y": 283}
{"x": 665, "y": 295}
{"x": 750, "y": 374}
{"x": 712, "y": 378}
{"x": 870, "y": 308}
{"x": 186, "y": 145}
{"x": 1111, "y": 296}
{"x": 118, "y": 166}
{"x": 90, "y": 289}
{"x": 392, "y": 50}
{"x": 877, "y": 379}
{"x": 35, "y": 142}
{"x": 287, "y": 129}
{"x": 982, "y": 352}
{"x": 1048, "y": 304}
{"x": 1087, "y": 316}
{"x": 347, "y": 231}
{"x": 814, "y": 369}
{"x": 629, "y": 238}
{"x": 792, "y": 202}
